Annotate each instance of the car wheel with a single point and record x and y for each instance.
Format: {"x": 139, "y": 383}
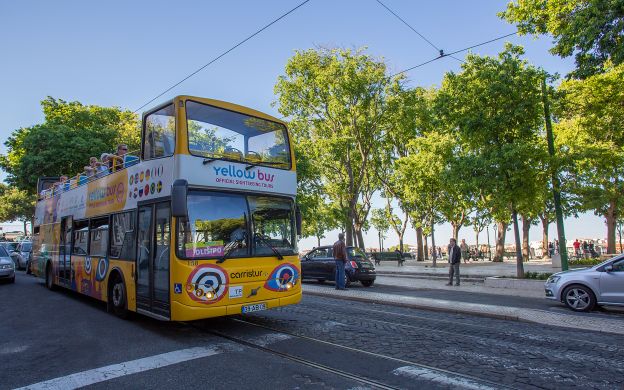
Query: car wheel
{"x": 12, "y": 280}
{"x": 117, "y": 297}
{"x": 347, "y": 280}
{"x": 49, "y": 278}
{"x": 28, "y": 271}
{"x": 367, "y": 283}
{"x": 321, "y": 281}
{"x": 579, "y": 298}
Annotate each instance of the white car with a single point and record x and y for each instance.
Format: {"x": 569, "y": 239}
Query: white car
{"x": 7, "y": 267}
{"x": 583, "y": 289}
{"x": 21, "y": 255}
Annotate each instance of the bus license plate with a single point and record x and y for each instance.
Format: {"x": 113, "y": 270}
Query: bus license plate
{"x": 253, "y": 308}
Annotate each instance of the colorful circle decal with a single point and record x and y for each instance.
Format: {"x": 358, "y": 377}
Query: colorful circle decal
{"x": 207, "y": 283}
{"x": 152, "y": 188}
{"x": 147, "y": 174}
{"x": 159, "y": 186}
{"x": 136, "y": 178}
{"x": 142, "y": 176}
{"x": 146, "y": 190}
{"x": 131, "y": 179}
{"x": 102, "y": 269}
{"x": 281, "y": 276}
{"x": 87, "y": 266}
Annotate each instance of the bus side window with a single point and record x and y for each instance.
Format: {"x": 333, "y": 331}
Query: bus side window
{"x": 159, "y": 133}
{"x": 98, "y": 234}
{"x": 122, "y": 238}
{"x": 81, "y": 238}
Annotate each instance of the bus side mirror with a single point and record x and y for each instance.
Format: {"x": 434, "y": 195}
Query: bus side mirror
{"x": 178, "y": 198}
{"x": 298, "y": 219}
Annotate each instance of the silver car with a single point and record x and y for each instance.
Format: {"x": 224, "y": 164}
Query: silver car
{"x": 21, "y": 255}
{"x": 583, "y": 289}
{"x": 7, "y": 267}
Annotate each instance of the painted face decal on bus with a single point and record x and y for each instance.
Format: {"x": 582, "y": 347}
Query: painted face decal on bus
{"x": 87, "y": 266}
{"x": 102, "y": 269}
{"x": 207, "y": 284}
{"x": 282, "y": 278}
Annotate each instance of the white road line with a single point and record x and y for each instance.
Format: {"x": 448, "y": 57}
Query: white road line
{"x": 102, "y": 374}
{"x": 440, "y": 378}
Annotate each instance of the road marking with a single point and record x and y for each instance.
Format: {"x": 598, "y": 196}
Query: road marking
{"x": 440, "y": 378}
{"x": 113, "y": 371}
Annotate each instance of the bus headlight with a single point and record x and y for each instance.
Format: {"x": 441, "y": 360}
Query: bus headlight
{"x": 289, "y": 285}
{"x": 209, "y": 295}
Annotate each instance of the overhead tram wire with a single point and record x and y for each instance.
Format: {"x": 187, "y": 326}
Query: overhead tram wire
{"x": 454, "y": 52}
{"x": 419, "y": 34}
{"x": 224, "y": 53}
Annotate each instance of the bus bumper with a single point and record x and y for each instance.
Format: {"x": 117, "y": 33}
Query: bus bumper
{"x": 181, "y": 312}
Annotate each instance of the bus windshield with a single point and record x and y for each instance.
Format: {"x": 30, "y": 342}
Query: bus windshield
{"x": 220, "y": 225}
{"x": 222, "y": 134}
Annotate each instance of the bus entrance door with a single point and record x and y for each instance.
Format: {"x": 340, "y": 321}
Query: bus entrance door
{"x": 64, "y": 261}
{"x": 153, "y": 260}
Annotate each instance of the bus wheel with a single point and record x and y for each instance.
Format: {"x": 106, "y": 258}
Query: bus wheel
{"x": 49, "y": 278}
{"x": 117, "y": 297}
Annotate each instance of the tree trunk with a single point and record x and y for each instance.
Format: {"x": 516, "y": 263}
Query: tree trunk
{"x": 545, "y": 223}
{"x": 526, "y": 251}
{"x": 477, "y": 240}
{"x": 456, "y": 228}
{"x": 519, "y": 265}
{"x": 360, "y": 238}
{"x": 426, "y": 249}
{"x": 349, "y": 228}
{"x": 611, "y": 217}
{"x": 419, "y": 244}
{"x": 433, "y": 245}
{"x": 25, "y": 232}
{"x": 500, "y": 241}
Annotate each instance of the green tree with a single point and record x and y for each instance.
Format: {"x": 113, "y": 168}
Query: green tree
{"x": 591, "y": 138}
{"x": 379, "y": 221}
{"x": 16, "y": 205}
{"x": 591, "y": 30}
{"x": 493, "y": 107}
{"x": 337, "y": 100}
{"x": 71, "y": 134}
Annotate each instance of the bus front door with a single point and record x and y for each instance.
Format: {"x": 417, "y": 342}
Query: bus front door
{"x": 152, "y": 286}
{"x": 64, "y": 261}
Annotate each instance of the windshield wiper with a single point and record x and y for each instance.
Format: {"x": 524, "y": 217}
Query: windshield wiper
{"x": 251, "y": 165}
{"x": 208, "y": 160}
{"x": 268, "y": 243}
{"x": 228, "y": 251}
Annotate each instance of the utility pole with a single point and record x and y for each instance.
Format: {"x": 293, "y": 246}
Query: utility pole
{"x": 563, "y": 251}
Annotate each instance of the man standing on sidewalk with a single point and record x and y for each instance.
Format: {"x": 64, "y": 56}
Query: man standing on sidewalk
{"x": 454, "y": 261}
{"x": 340, "y": 256}
{"x": 465, "y": 251}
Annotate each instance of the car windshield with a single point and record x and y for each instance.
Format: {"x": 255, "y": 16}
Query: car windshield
{"x": 3, "y": 252}
{"x": 26, "y": 247}
{"x": 10, "y": 246}
{"x": 218, "y": 225}
{"x": 218, "y": 133}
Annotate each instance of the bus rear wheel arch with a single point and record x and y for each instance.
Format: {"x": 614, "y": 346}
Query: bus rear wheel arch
{"x": 117, "y": 295}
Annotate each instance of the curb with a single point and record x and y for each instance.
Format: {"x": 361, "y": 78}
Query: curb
{"x": 467, "y": 278}
{"x": 420, "y": 306}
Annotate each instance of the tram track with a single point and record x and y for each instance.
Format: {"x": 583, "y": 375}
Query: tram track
{"x": 463, "y": 324}
{"x": 456, "y": 379}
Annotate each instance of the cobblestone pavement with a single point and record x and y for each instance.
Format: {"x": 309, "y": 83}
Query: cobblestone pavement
{"x": 517, "y": 354}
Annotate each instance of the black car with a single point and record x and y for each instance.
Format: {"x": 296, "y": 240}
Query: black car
{"x": 319, "y": 264}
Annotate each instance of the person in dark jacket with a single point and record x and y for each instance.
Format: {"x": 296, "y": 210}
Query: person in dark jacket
{"x": 340, "y": 256}
{"x": 454, "y": 259}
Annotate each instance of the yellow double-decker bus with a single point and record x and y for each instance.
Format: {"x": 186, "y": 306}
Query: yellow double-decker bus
{"x": 201, "y": 224}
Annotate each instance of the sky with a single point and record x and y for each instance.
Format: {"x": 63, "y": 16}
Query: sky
{"x": 121, "y": 53}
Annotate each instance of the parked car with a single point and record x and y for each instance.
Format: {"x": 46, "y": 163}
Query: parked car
{"x": 10, "y": 246}
{"x": 319, "y": 264}
{"x": 583, "y": 289}
{"x": 22, "y": 254}
{"x": 7, "y": 267}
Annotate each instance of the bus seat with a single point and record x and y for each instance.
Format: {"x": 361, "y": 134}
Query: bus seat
{"x": 232, "y": 154}
{"x": 82, "y": 180}
{"x": 66, "y": 187}
{"x": 130, "y": 160}
{"x": 253, "y": 157}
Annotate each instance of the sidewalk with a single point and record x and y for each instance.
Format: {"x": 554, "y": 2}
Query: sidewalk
{"x": 573, "y": 320}
{"x": 480, "y": 269}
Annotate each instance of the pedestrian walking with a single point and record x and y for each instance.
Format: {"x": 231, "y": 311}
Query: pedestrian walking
{"x": 454, "y": 259}
{"x": 465, "y": 250}
{"x": 577, "y": 248}
{"x": 592, "y": 252}
{"x": 340, "y": 256}
{"x": 399, "y": 257}
{"x": 585, "y": 249}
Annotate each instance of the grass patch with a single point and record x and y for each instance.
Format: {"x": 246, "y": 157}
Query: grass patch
{"x": 537, "y": 275}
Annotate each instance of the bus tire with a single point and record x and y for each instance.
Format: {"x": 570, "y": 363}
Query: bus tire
{"x": 49, "y": 278}
{"x": 117, "y": 296}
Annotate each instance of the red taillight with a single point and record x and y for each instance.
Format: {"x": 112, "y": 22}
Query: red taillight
{"x": 353, "y": 264}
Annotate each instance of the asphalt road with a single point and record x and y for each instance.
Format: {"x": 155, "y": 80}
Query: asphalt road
{"x": 320, "y": 343}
